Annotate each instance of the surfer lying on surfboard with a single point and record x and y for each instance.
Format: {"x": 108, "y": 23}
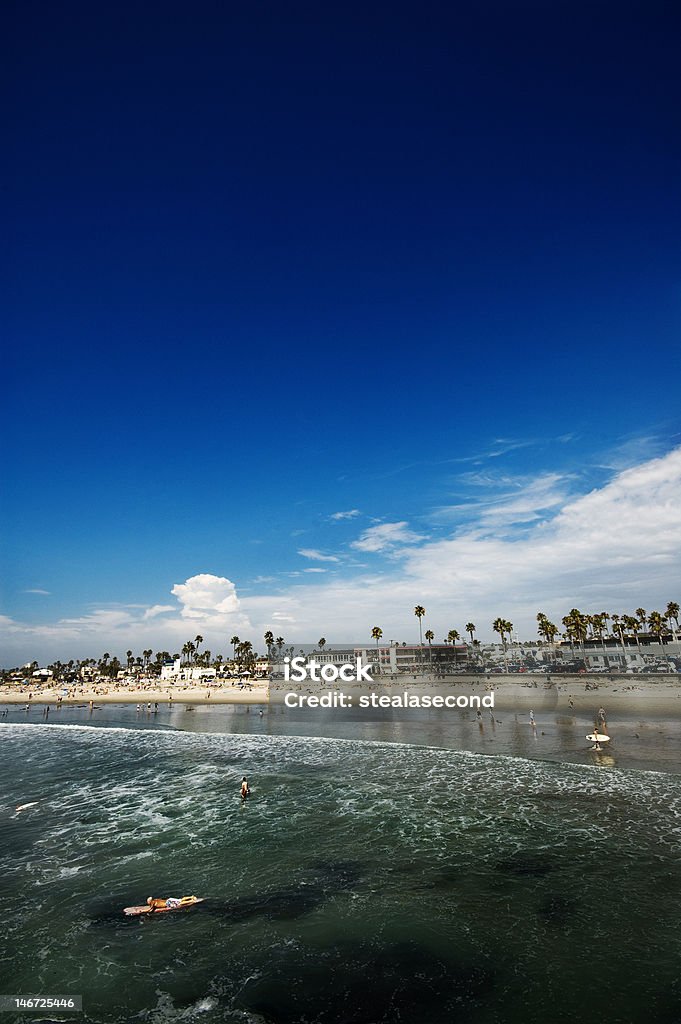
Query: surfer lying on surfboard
{"x": 156, "y": 906}
{"x": 171, "y": 903}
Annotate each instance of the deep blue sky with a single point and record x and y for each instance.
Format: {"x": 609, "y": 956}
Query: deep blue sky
{"x": 267, "y": 262}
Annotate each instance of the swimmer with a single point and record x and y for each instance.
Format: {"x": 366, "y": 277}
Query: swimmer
{"x": 245, "y": 788}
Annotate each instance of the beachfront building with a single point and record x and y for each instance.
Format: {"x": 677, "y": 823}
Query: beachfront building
{"x": 646, "y": 655}
{"x": 414, "y": 659}
{"x": 175, "y": 672}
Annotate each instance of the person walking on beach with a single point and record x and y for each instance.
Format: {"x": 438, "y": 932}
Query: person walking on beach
{"x": 571, "y": 702}
{"x": 601, "y": 720}
{"x": 532, "y": 721}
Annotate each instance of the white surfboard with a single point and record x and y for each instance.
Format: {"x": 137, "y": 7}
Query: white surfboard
{"x": 598, "y": 737}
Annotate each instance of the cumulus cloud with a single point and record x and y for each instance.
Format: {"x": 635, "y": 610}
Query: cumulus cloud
{"x": 205, "y": 596}
{"x": 387, "y": 536}
{"x": 317, "y": 556}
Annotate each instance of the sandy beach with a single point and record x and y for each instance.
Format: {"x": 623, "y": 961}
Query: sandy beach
{"x": 253, "y": 693}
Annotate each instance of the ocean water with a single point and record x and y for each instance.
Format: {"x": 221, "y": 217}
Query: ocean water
{"x": 364, "y": 881}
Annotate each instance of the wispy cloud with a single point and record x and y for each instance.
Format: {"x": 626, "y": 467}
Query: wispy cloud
{"x": 386, "y": 537}
{"x": 317, "y": 556}
{"x": 36, "y": 590}
{"x": 508, "y": 500}
{"x": 350, "y": 514}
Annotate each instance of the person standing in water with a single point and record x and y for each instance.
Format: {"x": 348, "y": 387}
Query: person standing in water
{"x": 245, "y": 788}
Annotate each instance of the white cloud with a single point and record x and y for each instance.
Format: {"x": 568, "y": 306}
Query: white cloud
{"x": 315, "y": 570}
{"x": 159, "y": 609}
{"x": 386, "y": 537}
{"x": 317, "y": 556}
{"x": 351, "y": 514}
{"x": 518, "y": 500}
{"x": 205, "y": 596}
{"x": 36, "y": 590}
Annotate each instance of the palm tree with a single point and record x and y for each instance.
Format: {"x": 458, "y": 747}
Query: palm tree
{"x": 376, "y": 634}
{"x": 198, "y": 640}
{"x": 321, "y": 643}
{"x": 430, "y": 636}
{"x": 234, "y": 641}
{"x": 598, "y": 624}
{"x": 642, "y": 616}
{"x": 672, "y": 612}
{"x": 500, "y": 626}
{"x": 656, "y": 623}
{"x": 632, "y": 624}
{"x": 269, "y": 640}
{"x": 419, "y": 612}
{"x": 280, "y": 643}
{"x": 452, "y": 637}
{"x": 470, "y": 629}
{"x": 618, "y": 629}
{"x": 128, "y": 655}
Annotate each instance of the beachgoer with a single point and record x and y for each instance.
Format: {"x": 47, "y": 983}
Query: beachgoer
{"x": 245, "y": 788}
{"x": 601, "y": 717}
{"x": 532, "y": 721}
{"x": 571, "y": 702}
{"x": 478, "y": 715}
{"x": 155, "y": 904}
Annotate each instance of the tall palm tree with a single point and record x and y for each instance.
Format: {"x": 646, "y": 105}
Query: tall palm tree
{"x": 499, "y": 626}
{"x": 419, "y": 612}
{"x": 672, "y": 612}
{"x": 321, "y": 643}
{"x": 128, "y": 655}
{"x": 618, "y": 629}
{"x": 280, "y": 643}
{"x": 452, "y": 637}
{"x": 234, "y": 642}
{"x": 632, "y": 624}
{"x": 642, "y": 617}
{"x": 269, "y": 641}
{"x": 198, "y": 640}
{"x": 376, "y": 634}
{"x": 430, "y": 636}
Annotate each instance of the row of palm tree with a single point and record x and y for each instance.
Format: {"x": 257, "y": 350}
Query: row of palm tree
{"x": 578, "y": 629}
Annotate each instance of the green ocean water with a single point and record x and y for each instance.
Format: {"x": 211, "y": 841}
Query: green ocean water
{"x": 363, "y": 882}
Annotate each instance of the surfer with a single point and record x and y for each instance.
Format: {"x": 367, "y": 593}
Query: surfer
{"x": 245, "y": 788}
{"x": 155, "y": 904}
{"x": 532, "y": 721}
